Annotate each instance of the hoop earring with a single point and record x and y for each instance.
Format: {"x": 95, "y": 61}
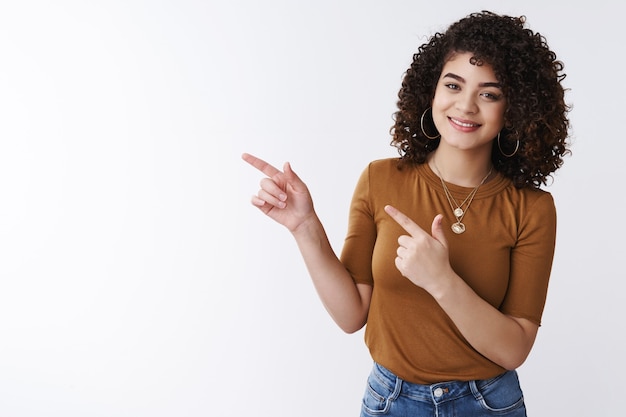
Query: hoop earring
{"x": 505, "y": 154}
{"x": 422, "y": 126}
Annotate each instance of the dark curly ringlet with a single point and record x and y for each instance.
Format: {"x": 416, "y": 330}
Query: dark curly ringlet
{"x": 530, "y": 76}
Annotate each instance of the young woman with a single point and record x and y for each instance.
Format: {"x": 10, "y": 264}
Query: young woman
{"x": 450, "y": 246}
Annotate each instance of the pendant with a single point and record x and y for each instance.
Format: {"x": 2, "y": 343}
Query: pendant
{"x": 458, "y": 228}
{"x": 458, "y": 212}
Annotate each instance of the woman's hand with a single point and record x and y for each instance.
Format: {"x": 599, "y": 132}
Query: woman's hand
{"x": 286, "y": 199}
{"x": 422, "y": 258}
{"x": 283, "y": 196}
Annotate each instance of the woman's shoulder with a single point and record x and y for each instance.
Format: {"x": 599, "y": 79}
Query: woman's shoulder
{"x": 388, "y": 174}
{"x": 384, "y": 163}
{"x": 532, "y": 193}
{"x": 386, "y": 166}
{"x": 533, "y": 199}
{"x": 385, "y": 169}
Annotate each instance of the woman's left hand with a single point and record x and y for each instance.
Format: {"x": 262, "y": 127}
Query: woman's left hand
{"x": 422, "y": 258}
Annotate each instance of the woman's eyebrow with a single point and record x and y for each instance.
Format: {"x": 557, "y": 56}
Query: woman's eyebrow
{"x": 456, "y": 77}
{"x": 491, "y": 84}
{"x": 462, "y": 80}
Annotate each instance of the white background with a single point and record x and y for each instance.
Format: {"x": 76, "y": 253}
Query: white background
{"x": 137, "y": 280}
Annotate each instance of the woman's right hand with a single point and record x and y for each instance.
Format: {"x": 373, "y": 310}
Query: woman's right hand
{"x": 283, "y": 196}
{"x": 286, "y": 199}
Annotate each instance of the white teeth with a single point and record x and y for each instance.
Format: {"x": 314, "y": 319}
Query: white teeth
{"x": 463, "y": 124}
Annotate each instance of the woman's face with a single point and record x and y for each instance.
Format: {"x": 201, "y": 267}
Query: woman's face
{"x": 468, "y": 107}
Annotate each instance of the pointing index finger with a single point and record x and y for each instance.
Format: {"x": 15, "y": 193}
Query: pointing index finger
{"x": 260, "y": 164}
{"x": 403, "y": 220}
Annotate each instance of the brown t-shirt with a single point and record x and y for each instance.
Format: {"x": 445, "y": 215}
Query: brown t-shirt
{"x": 505, "y": 255}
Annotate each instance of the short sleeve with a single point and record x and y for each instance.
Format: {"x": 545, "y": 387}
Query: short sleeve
{"x": 356, "y": 254}
{"x": 531, "y": 260}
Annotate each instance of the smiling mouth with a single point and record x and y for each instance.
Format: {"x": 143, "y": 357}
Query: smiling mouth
{"x": 462, "y": 124}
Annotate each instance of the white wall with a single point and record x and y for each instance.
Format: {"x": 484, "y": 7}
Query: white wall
{"x": 136, "y": 279}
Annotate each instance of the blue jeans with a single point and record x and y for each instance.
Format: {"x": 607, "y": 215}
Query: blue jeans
{"x": 388, "y": 395}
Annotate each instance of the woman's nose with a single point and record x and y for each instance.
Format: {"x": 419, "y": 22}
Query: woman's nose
{"x": 466, "y": 104}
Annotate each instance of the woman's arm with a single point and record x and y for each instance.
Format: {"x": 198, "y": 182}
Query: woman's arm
{"x": 423, "y": 259}
{"x": 503, "y": 339}
{"x": 346, "y": 302}
{"x": 286, "y": 199}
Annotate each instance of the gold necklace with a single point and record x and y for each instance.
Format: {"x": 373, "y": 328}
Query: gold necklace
{"x": 459, "y": 211}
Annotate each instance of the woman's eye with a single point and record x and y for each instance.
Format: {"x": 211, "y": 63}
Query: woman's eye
{"x": 492, "y": 96}
{"x": 452, "y": 86}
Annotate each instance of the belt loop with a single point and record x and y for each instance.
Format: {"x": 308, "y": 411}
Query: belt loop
{"x": 475, "y": 390}
{"x": 398, "y": 388}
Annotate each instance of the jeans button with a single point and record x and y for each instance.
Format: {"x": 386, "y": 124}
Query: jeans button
{"x": 438, "y": 392}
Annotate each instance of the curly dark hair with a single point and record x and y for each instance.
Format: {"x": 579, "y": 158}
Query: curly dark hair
{"x": 530, "y": 75}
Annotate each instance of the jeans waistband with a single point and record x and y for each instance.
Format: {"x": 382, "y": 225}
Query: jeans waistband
{"x": 439, "y": 392}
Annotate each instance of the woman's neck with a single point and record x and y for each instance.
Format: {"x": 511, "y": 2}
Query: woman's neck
{"x": 461, "y": 168}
